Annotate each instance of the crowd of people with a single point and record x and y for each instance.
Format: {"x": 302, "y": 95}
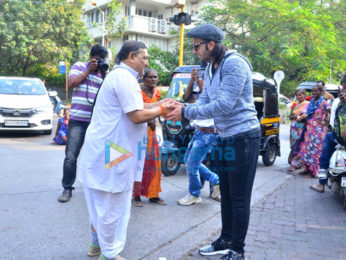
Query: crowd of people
{"x": 113, "y": 107}
{"x": 312, "y": 133}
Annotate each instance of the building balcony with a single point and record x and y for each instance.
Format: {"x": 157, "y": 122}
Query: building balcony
{"x": 148, "y": 25}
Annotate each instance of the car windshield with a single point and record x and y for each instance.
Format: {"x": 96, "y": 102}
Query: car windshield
{"x": 21, "y": 87}
{"x": 179, "y": 82}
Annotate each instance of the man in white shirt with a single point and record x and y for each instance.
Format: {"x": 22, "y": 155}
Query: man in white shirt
{"x": 119, "y": 120}
{"x": 204, "y": 138}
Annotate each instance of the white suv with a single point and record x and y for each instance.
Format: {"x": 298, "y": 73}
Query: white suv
{"x": 25, "y": 105}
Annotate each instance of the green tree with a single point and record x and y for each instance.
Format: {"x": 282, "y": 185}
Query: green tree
{"x": 39, "y": 32}
{"x": 166, "y": 61}
{"x": 163, "y": 62}
{"x": 115, "y": 25}
{"x": 188, "y": 57}
{"x": 302, "y": 38}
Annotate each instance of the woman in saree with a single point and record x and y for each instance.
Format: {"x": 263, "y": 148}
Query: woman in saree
{"x": 61, "y": 130}
{"x": 296, "y": 130}
{"x": 316, "y": 117}
{"x": 150, "y": 186}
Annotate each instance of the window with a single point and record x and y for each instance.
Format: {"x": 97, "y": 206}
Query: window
{"x": 160, "y": 16}
{"x": 96, "y": 16}
{"x": 144, "y": 12}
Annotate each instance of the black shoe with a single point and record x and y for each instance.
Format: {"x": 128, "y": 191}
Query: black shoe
{"x": 232, "y": 255}
{"x": 218, "y": 247}
{"x": 65, "y": 196}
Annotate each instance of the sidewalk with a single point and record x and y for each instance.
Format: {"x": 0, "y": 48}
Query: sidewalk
{"x": 294, "y": 223}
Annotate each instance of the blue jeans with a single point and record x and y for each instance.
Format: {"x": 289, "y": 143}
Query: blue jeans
{"x": 236, "y": 160}
{"x": 75, "y": 139}
{"x": 198, "y": 148}
{"x": 328, "y": 149}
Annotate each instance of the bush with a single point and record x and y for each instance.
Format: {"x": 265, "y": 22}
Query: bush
{"x": 164, "y": 93}
{"x": 288, "y": 88}
{"x": 50, "y": 73}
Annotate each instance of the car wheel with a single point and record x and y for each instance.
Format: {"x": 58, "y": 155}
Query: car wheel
{"x": 47, "y": 132}
{"x": 269, "y": 156}
{"x": 170, "y": 164}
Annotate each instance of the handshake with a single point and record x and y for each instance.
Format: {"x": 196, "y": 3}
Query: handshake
{"x": 171, "y": 109}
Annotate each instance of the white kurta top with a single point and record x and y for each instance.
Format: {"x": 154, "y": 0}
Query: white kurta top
{"x": 118, "y": 95}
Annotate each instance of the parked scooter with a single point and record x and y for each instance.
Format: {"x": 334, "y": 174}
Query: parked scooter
{"x": 337, "y": 173}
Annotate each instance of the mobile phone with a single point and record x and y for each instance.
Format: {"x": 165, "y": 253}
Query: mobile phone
{"x": 200, "y": 73}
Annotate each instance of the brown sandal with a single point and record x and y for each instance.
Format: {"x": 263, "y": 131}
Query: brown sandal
{"x": 317, "y": 188}
{"x": 158, "y": 201}
{"x": 137, "y": 201}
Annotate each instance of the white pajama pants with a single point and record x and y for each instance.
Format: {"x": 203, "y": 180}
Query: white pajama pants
{"x": 109, "y": 213}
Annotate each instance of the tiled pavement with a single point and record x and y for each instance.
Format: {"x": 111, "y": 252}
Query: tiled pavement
{"x": 294, "y": 222}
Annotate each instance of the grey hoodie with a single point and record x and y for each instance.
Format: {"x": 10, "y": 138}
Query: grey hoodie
{"x": 229, "y": 98}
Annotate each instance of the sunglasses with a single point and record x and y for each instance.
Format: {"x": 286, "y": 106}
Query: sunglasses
{"x": 195, "y": 46}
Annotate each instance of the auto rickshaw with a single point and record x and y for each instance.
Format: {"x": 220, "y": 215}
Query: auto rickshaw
{"x": 177, "y": 135}
{"x": 266, "y": 103}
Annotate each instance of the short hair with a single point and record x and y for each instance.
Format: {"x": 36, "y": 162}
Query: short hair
{"x": 320, "y": 88}
{"x": 343, "y": 80}
{"x": 300, "y": 90}
{"x": 98, "y": 50}
{"x": 146, "y": 72}
{"x": 322, "y": 82}
{"x": 129, "y": 46}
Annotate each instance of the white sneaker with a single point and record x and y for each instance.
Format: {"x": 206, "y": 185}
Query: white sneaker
{"x": 215, "y": 191}
{"x": 189, "y": 200}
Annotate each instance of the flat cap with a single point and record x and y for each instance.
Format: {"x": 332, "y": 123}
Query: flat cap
{"x": 207, "y": 32}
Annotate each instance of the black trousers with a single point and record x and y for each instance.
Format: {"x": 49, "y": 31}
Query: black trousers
{"x": 75, "y": 139}
{"x": 236, "y": 160}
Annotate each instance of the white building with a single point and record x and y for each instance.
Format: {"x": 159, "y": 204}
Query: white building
{"x": 147, "y": 20}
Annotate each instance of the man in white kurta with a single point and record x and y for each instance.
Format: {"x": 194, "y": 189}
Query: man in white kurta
{"x": 108, "y": 191}
{"x": 119, "y": 117}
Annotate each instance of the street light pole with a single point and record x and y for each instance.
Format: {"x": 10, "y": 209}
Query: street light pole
{"x": 103, "y": 21}
{"x": 181, "y": 47}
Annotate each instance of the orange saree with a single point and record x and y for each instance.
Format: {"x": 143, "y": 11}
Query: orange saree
{"x": 150, "y": 186}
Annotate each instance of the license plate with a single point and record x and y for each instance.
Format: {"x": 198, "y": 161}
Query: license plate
{"x": 16, "y": 123}
{"x": 343, "y": 181}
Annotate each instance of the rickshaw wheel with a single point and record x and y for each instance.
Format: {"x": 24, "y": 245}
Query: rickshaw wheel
{"x": 269, "y": 156}
{"x": 170, "y": 164}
